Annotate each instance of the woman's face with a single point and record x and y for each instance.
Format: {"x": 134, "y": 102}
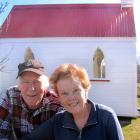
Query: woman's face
{"x": 32, "y": 89}
{"x": 72, "y": 95}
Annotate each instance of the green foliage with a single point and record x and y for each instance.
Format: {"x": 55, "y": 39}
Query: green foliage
{"x": 138, "y": 103}
{"x": 138, "y": 86}
{"x": 3, "y": 5}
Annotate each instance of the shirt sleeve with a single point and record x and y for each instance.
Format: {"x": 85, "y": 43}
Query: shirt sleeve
{"x": 114, "y": 130}
{"x": 5, "y": 120}
{"x": 43, "y": 132}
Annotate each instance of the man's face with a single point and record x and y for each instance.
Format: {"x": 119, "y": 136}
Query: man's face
{"x": 32, "y": 89}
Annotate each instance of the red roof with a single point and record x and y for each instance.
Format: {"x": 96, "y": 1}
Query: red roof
{"x": 69, "y": 20}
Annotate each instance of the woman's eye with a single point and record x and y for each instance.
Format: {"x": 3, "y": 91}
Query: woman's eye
{"x": 76, "y": 90}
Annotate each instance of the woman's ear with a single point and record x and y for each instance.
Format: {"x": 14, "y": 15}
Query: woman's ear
{"x": 86, "y": 93}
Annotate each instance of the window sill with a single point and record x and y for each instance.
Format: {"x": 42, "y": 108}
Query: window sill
{"x": 100, "y": 80}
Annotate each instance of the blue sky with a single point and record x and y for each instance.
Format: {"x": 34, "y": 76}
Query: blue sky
{"x": 11, "y": 3}
{"x": 64, "y": 1}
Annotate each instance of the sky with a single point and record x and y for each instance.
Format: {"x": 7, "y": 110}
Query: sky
{"x": 136, "y": 3}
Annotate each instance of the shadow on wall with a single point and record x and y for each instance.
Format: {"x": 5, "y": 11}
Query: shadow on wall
{"x": 124, "y": 121}
{"x": 138, "y": 81}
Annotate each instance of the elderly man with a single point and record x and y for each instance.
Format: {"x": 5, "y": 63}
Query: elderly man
{"x": 28, "y": 104}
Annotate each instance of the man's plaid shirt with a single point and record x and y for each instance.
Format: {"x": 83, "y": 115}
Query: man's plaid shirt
{"x": 16, "y": 120}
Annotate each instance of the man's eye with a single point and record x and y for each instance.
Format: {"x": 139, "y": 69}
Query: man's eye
{"x": 25, "y": 82}
{"x": 36, "y": 82}
{"x": 64, "y": 93}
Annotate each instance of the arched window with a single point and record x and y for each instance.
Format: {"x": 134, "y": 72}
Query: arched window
{"x": 98, "y": 64}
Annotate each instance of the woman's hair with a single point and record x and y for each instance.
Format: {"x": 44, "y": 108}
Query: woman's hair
{"x": 72, "y": 71}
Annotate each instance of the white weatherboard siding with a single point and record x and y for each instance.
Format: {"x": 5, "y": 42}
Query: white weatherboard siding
{"x": 120, "y": 57}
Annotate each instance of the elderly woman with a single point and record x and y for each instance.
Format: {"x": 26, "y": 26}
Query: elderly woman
{"x": 82, "y": 119}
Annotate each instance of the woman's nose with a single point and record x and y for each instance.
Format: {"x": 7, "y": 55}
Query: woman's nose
{"x": 71, "y": 96}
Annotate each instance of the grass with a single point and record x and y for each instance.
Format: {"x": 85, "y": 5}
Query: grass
{"x": 132, "y": 131}
{"x": 131, "y": 127}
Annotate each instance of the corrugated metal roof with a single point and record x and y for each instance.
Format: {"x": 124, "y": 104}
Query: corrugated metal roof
{"x": 69, "y": 20}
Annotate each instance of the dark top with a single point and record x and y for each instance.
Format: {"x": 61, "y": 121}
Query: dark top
{"x": 102, "y": 124}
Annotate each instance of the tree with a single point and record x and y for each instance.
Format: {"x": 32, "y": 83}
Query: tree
{"x": 3, "y": 61}
{"x": 3, "y": 6}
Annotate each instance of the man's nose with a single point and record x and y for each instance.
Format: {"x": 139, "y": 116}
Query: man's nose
{"x": 31, "y": 86}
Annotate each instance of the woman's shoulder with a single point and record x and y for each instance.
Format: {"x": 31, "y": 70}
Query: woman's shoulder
{"x": 104, "y": 109}
{"x": 97, "y": 107}
{"x": 105, "y": 113}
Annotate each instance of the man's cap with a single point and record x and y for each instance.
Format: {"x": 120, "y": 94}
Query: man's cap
{"x": 31, "y": 65}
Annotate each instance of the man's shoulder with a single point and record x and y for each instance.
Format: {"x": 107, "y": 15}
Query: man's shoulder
{"x": 51, "y": 97}
{"x": 12, "y": 91}
{"x": 10, "y": 97}
{"x": 51, "y": 93}
{"x": 51, "y": 101}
